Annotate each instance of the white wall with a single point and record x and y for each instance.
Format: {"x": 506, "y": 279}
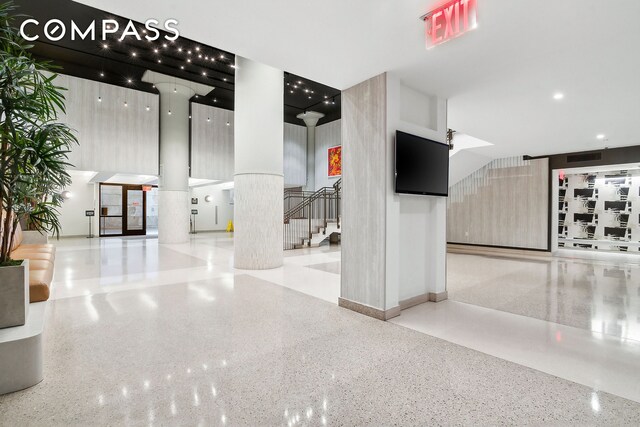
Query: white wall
{"x": 211, "y": 143}
{"x": 328, "y": 135}
{"x": 295, "y": 155}
{"x": 111, "y": 137}
{"x": 206, "y": 219}
{"x": 84, "y": 197}
{"x": 416, "y": 225}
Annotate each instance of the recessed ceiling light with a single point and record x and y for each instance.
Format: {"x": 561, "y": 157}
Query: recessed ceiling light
{"x": 196, "y": 96}
{"x": 189, "y": 60}
{"x": 558, "y": 96}
{"x": 164, "y": 45}
{"x": 224, "y": 80}
{"x": 156, "y": 50}
{"x": 198, "y": 48}
{"x": 189, "y": 52}
{"x": 221, "y": 56}
{"x": 200, "y": 55}
{"x": 204, "y": 73}
{"x": 291, "y": 91}
{"x": 129, "y": 81}
{"x": 101, "y": 74}
{"x": 309, "y": 97}
{"x": 295, "y": 86}
{"x": 179, "y": 49}
{"x": 159, "y": 61}
{"x": 299, "y": 82}
{"x": 215, "y": 100}
{"x": 133, "y": 54}
{"x": 600, "y": 136}
{"x": 105, "y": 46}
{"x": 182, "y": 67}
{"x": 206, "y": 58}
{"x": 213, "y": 59}
{"x": 144, "y": 31}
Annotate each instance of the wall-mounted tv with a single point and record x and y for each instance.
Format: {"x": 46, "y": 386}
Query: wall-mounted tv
{"x": 422, "y": 166}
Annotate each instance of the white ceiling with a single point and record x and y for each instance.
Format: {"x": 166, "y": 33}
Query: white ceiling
{"x": 499, "y": 79}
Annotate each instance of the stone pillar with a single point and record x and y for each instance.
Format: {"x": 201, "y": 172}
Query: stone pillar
{"x": 311, "y": 120}
{"x": 173, "y": 188}
{"x": 259, "y": 177}
{"x": 393, "y": 246}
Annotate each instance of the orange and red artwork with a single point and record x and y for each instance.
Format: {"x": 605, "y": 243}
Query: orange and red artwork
{"x": 335, "y": 161}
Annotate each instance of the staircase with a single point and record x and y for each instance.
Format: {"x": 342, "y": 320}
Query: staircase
{"x": 311, "y": 217}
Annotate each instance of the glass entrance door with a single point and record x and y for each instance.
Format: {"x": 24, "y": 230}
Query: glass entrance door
{"x": 123, "y": 210}
{"x": 136, "y": 212}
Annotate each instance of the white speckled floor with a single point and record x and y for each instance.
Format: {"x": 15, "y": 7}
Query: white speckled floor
{"x": 144, "y": 335}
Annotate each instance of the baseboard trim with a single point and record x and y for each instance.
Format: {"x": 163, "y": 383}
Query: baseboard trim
{"x": 421, "y": 299}
{"x": 367, "y": 310}
{"x": 458, "y": 248}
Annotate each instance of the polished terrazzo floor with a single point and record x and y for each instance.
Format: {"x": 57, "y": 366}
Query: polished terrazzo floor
{"x": 144, "y": 335}
{"x": 598, "y": 296}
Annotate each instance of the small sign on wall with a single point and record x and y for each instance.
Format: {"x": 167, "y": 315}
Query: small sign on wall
{"x": 335, "y": 161}
{"x": 90, "y": 213}
{"x": 194, "y": 211}
{"x": 194, "y": 200}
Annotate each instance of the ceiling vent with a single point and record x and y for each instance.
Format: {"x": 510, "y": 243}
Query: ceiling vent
{"x": 579, "y": 158}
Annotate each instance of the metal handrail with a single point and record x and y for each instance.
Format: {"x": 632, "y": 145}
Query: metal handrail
{"x": 317, "y": 209}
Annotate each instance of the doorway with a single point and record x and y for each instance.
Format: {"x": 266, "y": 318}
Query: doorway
{"x": 123, "y": 210}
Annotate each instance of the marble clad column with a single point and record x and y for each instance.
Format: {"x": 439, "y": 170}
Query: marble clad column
{"x": 259, "y": 177}
{"x": 311, "y": 120}
{"x": 173, "y": 188}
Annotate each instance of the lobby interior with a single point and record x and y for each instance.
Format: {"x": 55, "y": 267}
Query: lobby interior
{"x": 185, "y": 292}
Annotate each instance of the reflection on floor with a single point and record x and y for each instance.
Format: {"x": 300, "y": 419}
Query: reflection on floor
{"x": 142, "y": 334}
{"x": 573, "y": 318}
{"x": 597, "y": 296}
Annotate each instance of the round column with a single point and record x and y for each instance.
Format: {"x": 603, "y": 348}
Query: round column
{"x": 259, "y": 178}
{"x": 173, "y": 188}
{"x": 311, "y": 120}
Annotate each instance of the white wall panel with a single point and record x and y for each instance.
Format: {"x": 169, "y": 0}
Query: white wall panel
{"x": 212, "y": 150}
{"x": 113, "y": 137}
{"x": 364, "y": 192}
{"x": 295, "y": 154}
{"x": 504, "y": 203}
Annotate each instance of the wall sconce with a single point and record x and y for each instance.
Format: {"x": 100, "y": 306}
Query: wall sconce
{"x": 66, "y": 195}
{"x": 207, "y": 198}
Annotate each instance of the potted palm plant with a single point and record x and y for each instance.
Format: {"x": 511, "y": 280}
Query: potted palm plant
{"x": 33, "y": 159}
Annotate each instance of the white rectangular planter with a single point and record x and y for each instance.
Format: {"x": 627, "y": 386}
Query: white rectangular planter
{"x": 14, "y": 295}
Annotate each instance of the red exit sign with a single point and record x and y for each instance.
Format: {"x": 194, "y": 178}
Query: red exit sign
{"x": 450, "y": 20}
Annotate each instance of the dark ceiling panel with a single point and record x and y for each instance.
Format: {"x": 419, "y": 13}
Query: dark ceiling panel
{"x": 124, "y": 63}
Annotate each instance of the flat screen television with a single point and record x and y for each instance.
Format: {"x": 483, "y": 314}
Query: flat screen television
{"x": 422, "y": 166}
